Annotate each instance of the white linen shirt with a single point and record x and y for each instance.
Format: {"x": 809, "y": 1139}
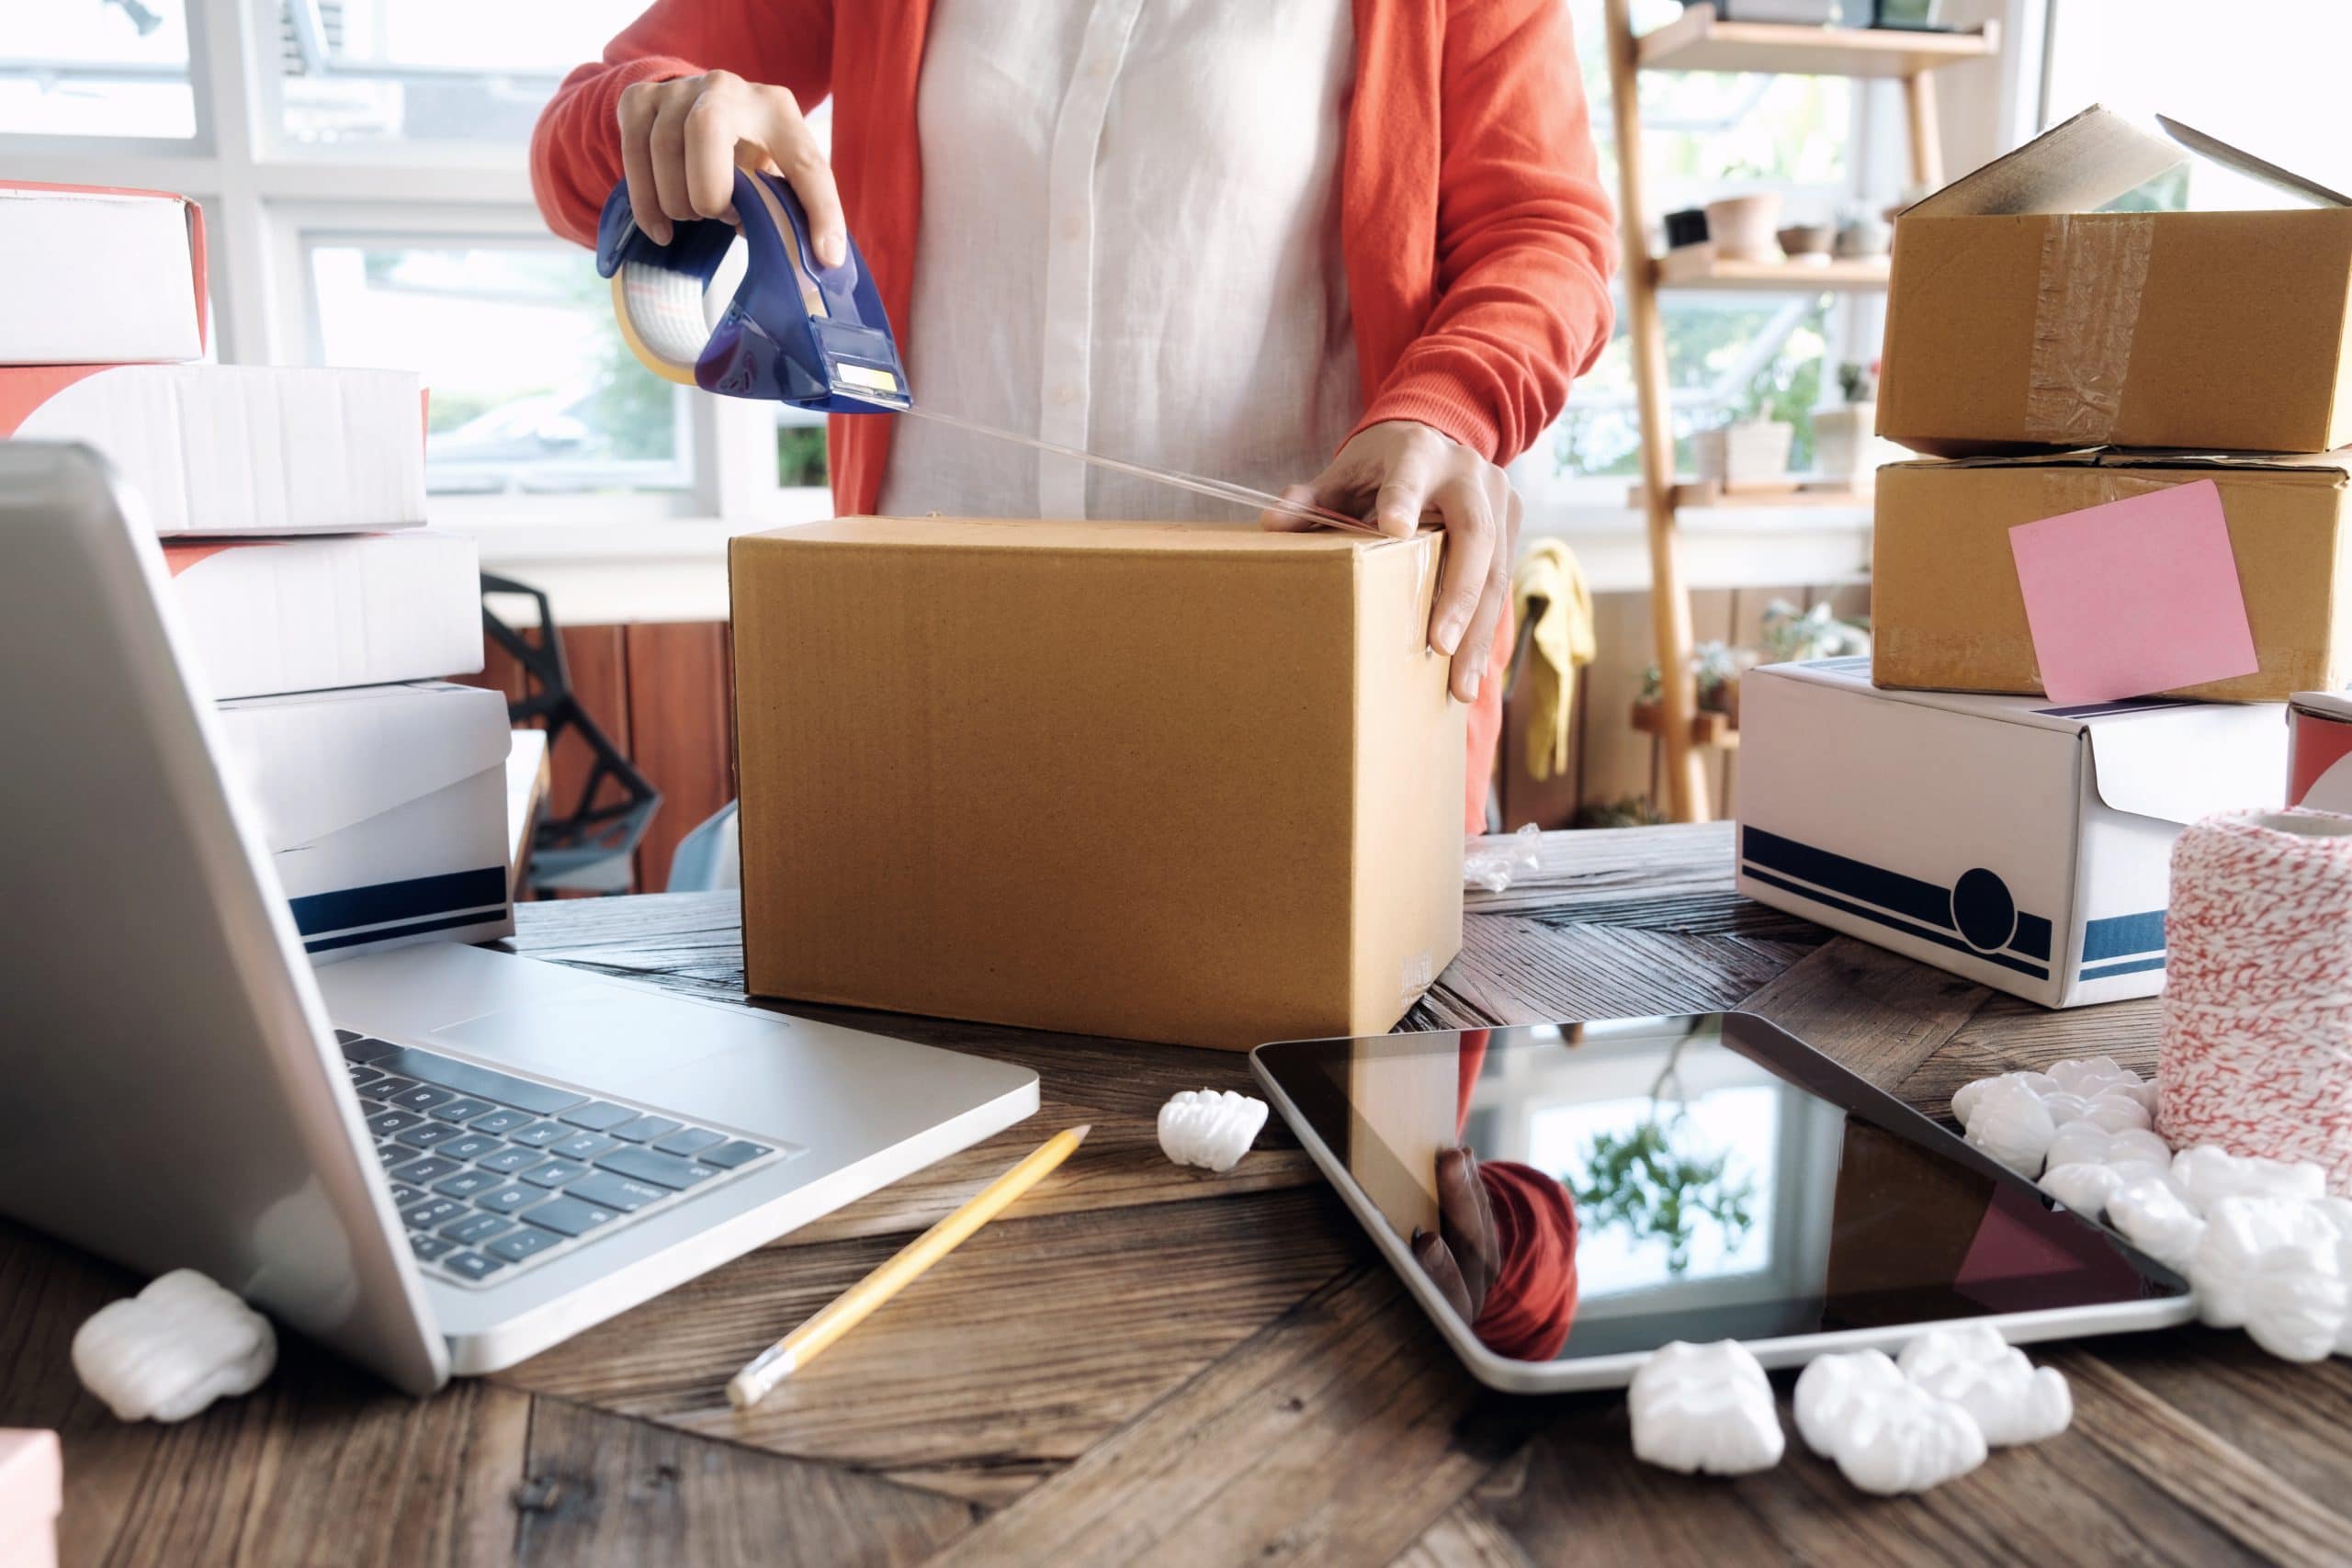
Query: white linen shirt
{"x": 1129, "y": 244}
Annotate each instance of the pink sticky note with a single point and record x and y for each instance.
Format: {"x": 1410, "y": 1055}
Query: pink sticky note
{"x": 2135, "y": 596}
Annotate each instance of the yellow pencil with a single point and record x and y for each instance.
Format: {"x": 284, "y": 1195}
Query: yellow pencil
{"x": 849, "y": 1309}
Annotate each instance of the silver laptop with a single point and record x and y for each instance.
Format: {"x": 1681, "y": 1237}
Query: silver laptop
{"x": 435, "y": 1160}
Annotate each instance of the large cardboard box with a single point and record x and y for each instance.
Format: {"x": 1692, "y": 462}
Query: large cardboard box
{"x": 239, "y": 449}
{"x": 1947, "y": 611}
{"x": 304, "y": 614}
{"x": 2018, "y": 316}
{"x": 91, "y": 274}
{"x": 2027, "y": 848}
{"x": 384, "y": 809}
{"x": 1192, "y": 783}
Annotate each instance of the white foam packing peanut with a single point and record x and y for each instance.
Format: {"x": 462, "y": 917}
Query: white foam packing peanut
{"x": 2272, "y": 1266}
{"x": 1886, "y": 1433}
{"x": 2017, "y": 1117}
{"x": 1209, "y": 1128}
{"x": 175, "y": 1348}
{"x": 2010, "y": 1399}
{"x": 2088, "y": 1165}
{"x": 1704, "y": 1408}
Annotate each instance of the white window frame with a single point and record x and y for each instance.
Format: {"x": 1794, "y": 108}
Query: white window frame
{"x": 265, "y": 199}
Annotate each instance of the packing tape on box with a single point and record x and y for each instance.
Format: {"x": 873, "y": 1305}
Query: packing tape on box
{"x": 2085, "y": 313}
{"x": 2256, "y": 1049}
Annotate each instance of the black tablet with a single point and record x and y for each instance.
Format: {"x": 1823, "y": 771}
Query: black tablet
{"x": 1563, "y": 1199}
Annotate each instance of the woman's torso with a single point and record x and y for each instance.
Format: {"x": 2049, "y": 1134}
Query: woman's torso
{"x": 1129, "y": 243}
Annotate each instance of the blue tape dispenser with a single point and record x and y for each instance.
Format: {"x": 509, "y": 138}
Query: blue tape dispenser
{"x": 751, "y": 315}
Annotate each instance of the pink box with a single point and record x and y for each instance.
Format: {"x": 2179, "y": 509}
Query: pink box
{"x": 32, "y": 1488}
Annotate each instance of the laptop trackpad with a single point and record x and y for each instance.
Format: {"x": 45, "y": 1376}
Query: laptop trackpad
{"x": 609, "y": 1036}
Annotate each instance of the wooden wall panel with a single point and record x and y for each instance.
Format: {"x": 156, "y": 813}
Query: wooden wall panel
{"x": 679, "y": 721}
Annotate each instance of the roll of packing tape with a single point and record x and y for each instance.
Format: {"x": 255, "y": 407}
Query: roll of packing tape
{"x": 2256, "y": 1054}
{"x": 666, "y": 317}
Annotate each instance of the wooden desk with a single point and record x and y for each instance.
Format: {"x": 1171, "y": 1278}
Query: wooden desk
{"x": 1149, "y": 1365}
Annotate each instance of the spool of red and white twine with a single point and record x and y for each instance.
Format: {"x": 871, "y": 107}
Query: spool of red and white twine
{"x": 2256, "y": 1054}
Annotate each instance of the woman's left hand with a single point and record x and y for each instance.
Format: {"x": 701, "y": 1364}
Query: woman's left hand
{"x": 1394, "y": 472}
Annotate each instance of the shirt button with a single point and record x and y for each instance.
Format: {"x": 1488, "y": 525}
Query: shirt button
{"x": 1098, "y": 68}
{"x": 1065, "y": 393}
{"x": 1074, "y": 228}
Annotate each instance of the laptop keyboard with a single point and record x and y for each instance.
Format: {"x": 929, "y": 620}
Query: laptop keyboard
{"x": 493, "y": 1173}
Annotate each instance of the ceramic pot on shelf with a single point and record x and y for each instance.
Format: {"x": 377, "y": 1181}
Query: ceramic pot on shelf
{"x": 1844, "y": 446}
{"x": 1745, "y": 453}
{"x": 1807, "y": 244}
{"x": 1742, "y": 227}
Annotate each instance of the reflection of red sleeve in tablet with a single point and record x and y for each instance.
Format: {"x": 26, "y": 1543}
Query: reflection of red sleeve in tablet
{"x": 1473, "y": 1061}
{"x": 1534, "y": 1298}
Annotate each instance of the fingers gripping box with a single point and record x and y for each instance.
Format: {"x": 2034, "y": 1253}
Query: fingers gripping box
{"x": 2024, "y": 846}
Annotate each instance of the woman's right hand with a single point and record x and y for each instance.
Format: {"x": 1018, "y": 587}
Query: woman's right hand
{"x": 683, "y": 139}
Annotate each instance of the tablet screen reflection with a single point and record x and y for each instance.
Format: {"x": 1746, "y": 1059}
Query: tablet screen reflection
{"x": 1599, "y": 1188}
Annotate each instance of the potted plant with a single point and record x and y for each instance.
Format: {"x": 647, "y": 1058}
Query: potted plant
{"x": 1844, "y": 446}
{"x": 1657, "y": 1185}
{"x": 1745, "y": 453}
{"x": 1793, "y": 636}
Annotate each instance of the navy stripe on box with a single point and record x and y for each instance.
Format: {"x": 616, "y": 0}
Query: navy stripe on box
{"x": 2123, "y": 936}
{"x": 1905, "y": 895}
{"x": 2031, "y": 937}
{"x": 1905, "y": 927}
{"x": 383, "y": 903}
{"x": 2131, "y": 966}
{"x": 410, "y": 927}
{"x": 2122, "y": 705}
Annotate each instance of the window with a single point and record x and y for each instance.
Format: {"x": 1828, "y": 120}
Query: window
{"x": 357, "y": 73}
{"x": 1729, "y": 356}
{"x": 361, "y": 165}
{"x": 2263, "y": 76}
{"x": 532, "y": 388}
{"x": 99, "y": 68}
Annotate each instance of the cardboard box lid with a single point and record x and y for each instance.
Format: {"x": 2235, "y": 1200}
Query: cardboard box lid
{"x": 2082, "y": 163}
{"x": 2138, "y": 746}
{"x": 317, "y": 763}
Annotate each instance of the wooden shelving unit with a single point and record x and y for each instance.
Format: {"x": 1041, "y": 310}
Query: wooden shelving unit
{"x": 1697, "y": 268}
{"x": 1705, "y": 495}
{"x": 1699, "y": 41}
{"x": 1708, "y": 727}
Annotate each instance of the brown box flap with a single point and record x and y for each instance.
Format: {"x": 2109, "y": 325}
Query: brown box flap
{"x": 2081, "y": 164}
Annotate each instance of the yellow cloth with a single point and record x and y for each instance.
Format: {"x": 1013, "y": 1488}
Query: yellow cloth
{"x": 1549, "y": 592}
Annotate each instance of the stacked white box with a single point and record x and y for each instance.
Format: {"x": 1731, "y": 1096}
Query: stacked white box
{"x": 289, "y": 502}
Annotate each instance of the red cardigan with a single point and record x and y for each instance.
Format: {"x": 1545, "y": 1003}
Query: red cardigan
{"x": 1477, "y": 238}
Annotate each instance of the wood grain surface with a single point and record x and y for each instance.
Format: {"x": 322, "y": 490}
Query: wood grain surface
{"x": 1148, "y": 1365}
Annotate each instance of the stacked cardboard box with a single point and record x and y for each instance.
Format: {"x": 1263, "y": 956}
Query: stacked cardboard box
{"x": 309, "y": 601}
{"x": 2049, "y": 358}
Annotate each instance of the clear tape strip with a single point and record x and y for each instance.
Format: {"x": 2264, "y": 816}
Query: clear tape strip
{"x": 2086, "y": 314}
{"x": 667, "y": 312}
{"x": 1239, "y": 495}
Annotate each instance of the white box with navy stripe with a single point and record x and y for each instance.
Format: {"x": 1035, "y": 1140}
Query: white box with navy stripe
{"x": 2021, "y": 844}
